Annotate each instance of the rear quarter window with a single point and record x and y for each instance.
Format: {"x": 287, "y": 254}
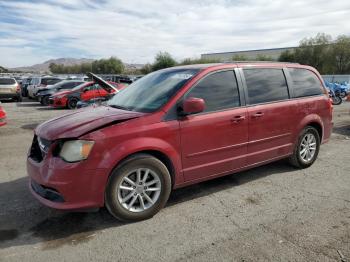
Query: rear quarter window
{"x": 305, "y": 83}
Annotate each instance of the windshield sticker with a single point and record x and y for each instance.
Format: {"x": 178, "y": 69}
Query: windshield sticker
{"x": 181, "y": 76}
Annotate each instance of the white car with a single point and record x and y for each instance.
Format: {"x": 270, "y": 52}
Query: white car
{"x": 38, "y": 83}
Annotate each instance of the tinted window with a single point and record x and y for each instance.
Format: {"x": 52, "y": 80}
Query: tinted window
{"x": 69, "y": 85}
{"x": 305, "y": 83}
{"x": 219, "y": 91}
{"x": 265, "y": 85}
{"x": 49, "y": 81}
{"x": 7, "y": 81}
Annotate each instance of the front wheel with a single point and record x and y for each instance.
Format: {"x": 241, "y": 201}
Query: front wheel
{"x": 138, "y": 188}
{"x": 72, "y": 103}
{"x": 306, "y": 149}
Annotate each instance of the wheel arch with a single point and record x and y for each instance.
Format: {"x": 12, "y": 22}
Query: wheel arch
{"x": 314, "y": 121}
{"x": 318, "y": 127}
{"x": 161, "y": 156}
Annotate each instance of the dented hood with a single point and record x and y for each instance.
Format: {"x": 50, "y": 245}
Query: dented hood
{"x": 82, "y": 121}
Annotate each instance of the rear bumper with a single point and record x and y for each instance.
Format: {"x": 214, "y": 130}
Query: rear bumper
{"x": 9, "y": 96}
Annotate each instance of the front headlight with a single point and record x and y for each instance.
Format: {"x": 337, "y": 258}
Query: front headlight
{"x": 76, "y": 150}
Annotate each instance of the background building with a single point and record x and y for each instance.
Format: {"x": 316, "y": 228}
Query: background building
{"x": 272, "y": 53}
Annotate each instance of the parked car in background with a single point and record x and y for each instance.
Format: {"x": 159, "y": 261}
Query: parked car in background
{"x": 83, "y": 92}
{"x": 2, "y": 116}
{"x": 43, "y": 95}
{"x": 38, "y": 83}
{"x": 10, "y": 89}
{"x": 24, "y": 86}
{"x": 176, "y": 127}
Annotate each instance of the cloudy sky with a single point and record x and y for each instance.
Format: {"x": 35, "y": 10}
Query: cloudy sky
{"x": 32, "y": 31}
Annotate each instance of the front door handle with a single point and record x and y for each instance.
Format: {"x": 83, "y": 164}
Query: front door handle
{"x": 258, "y": 114}
{"x": 237, "y": 119}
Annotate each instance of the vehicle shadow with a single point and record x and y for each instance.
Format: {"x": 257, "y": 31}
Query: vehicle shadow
{"x": 28, "y": 104}
{"x": 342, "y": 130}
{"x": 24, "y": 221}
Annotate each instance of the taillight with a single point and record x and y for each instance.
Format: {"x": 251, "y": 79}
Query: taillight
{"x": 18, "y": 88}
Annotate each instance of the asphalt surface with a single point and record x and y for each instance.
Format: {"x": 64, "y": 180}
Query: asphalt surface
{"x": 270, "y": 213}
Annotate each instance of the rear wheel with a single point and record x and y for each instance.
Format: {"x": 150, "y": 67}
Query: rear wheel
{"x": 306, "y": 149}
{"x": 138, "y": 188}
{"x": 72, "y": 102}
{"x": 45, "y": 100}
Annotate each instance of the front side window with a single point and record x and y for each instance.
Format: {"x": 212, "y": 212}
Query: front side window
{"x": 305, "y": 82}
{"x": 152, "y": 91}
{"x": 218, "y": 90}
{"x": 265, "y": 85}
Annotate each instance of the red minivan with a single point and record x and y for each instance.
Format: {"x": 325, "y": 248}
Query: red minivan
{"x": 177, "y": 127}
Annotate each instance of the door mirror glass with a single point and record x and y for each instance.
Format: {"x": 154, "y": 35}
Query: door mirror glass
{"x": 193, "y": 105}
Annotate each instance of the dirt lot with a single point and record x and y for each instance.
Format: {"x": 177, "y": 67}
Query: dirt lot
{"x": 270, "y": 213}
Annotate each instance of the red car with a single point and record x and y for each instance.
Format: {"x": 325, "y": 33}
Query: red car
{"x": 176, "y": 127}
{"x": 2, "y": 116}
{"x": 83, "y": 92}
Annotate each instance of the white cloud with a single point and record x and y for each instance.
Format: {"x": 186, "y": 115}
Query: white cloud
{"x": 136, "y": 30}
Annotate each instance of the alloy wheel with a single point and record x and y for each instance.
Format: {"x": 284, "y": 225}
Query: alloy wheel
{"x": 308, "y": 147}
{"x": 139, "y": 190}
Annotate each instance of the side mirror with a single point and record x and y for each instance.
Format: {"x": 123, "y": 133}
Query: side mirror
{"x": 193, "y": 105}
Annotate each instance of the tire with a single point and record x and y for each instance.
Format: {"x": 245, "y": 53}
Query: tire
{"x": 45, "y": 100}
{"x": 337, "y": 100}
{"x": 158, "y": 192}
{"x": 297, "y": 159}
{"x": 72, "y": 102}
{"x": 19, "y": 98}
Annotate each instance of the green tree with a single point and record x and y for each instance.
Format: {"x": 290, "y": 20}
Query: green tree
{"x": 191, "y": 61}
{"x": 340, "y": 53}
{"x": 239, "y": 58}
{"x": 263, "y": 58}
{"x": 163, "y": 60}
{"x": 287, "y": 56}
{"x": 146, "y": 69}
{"x": 315, "y": 51}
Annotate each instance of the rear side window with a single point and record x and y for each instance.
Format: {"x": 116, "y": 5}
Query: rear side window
{"x": 265, "y": 85}
{"x": 7, "y": 81}
{"x": 305, "y": 83}
{"x": 219, "y": 91}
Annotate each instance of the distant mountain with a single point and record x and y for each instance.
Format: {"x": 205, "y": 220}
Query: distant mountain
{"x": 44, "y": 67}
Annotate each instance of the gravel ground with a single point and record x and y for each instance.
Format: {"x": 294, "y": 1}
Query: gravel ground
{"x": 270, "y": 213}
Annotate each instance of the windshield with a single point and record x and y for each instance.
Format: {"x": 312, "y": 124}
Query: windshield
{"x": 80, "y": 86}
{"x": 152, "y": 91}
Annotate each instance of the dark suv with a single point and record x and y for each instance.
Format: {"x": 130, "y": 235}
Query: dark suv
{"x": 176, "y": 127}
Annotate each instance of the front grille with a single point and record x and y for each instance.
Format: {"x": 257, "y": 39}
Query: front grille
{"x": 47, "y": 193}
{"x": 39, "y": 148}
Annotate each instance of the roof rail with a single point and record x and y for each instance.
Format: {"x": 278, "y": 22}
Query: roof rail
{"x": 252, "y": 61}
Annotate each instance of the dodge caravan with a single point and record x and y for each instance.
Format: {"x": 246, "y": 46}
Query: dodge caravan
{"x": 176, "y": 127}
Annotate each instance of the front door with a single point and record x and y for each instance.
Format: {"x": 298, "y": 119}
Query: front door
{"x": 214, "y": 142}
